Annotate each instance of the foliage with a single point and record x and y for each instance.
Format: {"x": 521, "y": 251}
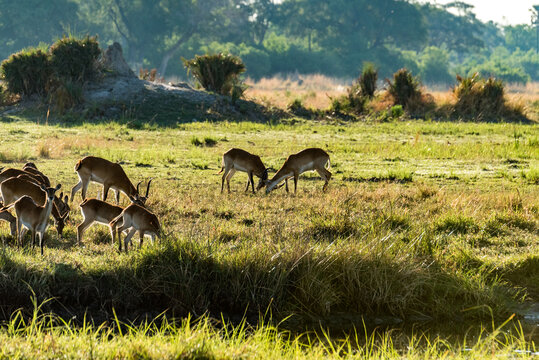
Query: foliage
{"x": 75, "y": 59}
{"x": 27, "y": 72}
{"x": 217, "y": 72}
{"x": 150, "y": 75}
{"x": 476, "y": 96}
{"x": 404, "y": 89}
{"x": 434, "y": 65}
{"x": 28, "y": 23}
{"x": 66, "y": 95}
{"x": 367, "y": 80}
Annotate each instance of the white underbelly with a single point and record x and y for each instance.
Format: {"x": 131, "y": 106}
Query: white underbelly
{"x": 240, "y": 168}
{"x": 306, "y": 167}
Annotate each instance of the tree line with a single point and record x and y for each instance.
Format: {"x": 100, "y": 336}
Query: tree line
{"x": 334, "y": 38}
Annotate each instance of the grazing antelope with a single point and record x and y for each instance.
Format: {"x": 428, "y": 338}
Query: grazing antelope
{"x": 11, "y": 172}
{"x": 31, "y": 168}
{"x": 6, "y": 216}
{"x": 13, "y": 189}
{"x": 296, "y": 164}
{"x": 94, "y": 210}
{"x": 240, "y": 160}
{"x": 32, "y": 216}
{"x": 135, "y": 218}
{"x": 109, "y": 174}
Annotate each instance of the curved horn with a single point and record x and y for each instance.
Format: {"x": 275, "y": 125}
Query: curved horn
{"x": 138, "y": 186}
{"x": 148, "y": 188}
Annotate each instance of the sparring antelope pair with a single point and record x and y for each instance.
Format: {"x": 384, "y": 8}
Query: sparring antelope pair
{"x": 135, "y": 217}
{"x": 296, "y": 164}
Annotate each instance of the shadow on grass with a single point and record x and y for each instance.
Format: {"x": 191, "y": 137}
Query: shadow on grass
{"x": 310, "y": 281}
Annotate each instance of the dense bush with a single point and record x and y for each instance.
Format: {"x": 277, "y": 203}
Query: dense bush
{"x": 27, "y": 72}
{"x": 58, "y": 74}
{"x": 75, "y": 59}
{"x": 367, "y": 80}
{"x": 404, "y": 89}
{"x": 217, "y": 72}
{"x": 476, "y": 96}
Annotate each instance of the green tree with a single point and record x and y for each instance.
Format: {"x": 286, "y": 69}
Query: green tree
{"x": 29, "y": 22}
{"x": 460, "y": 33}
{"x": 434, "y": 65}
{"x": 520, "y": 37}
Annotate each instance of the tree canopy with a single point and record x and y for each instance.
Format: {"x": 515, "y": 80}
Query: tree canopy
{"x": 331, "y": 37}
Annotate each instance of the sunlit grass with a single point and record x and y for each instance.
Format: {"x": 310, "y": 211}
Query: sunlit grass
{"x": 421, "y": 219}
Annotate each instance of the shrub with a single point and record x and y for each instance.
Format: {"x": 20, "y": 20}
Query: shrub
{"x": 66, "y": 95}
{"x": 6, "y": 98}
{"x": 218, "y": 72}
{"x": 367, "y": 80}
{"x": 404, "y": 89}
{"x": 75, "y": 59}
{"x": 27, "y": 72}
{"x": 477, "y": 96}
{"x": 150, "y": 75}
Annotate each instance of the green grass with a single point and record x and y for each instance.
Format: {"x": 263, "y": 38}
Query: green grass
{"x": 417, "y": 222}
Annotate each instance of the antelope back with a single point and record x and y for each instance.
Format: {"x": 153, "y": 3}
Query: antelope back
{"x": 101, "y": 170}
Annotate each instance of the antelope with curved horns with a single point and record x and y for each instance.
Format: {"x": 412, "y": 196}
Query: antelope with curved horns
{"x": 241, "y": 160}
{"x": 13, "y": 189}
{"x": 94, "y": 210}
{"x": 32, "y": 216}
{"x": 296, "y": 164}
{"x": 109, "y": 174}
{"x": 135, "y": 218}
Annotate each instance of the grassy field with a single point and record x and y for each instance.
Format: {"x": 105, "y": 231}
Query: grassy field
{"x": 423, "y": 222}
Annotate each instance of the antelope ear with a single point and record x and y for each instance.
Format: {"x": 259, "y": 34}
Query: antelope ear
{"x": 41, "y": 186}
{"x": 61, "y": 195}
{"x": 132, "y": 198}
{"x": 58, "y": 187}
{"x": 66, "y": 199}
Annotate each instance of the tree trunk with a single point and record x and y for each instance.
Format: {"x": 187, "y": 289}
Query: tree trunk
{"x": 168, "y": 55}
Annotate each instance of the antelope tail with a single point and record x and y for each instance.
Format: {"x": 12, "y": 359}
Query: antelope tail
{"x": 222, "y": 168}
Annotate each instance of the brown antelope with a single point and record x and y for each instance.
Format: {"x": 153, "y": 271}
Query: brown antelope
{"x": 296, "y": 164}
{"x": 109, "y": 174}
{"x": 11, "y": 172}
{"x": 31, "y": 168}
{"x": 135, "y": 218}
{"x": 240, "y": 160}
{"x": 32, "y": 216}
{"x": 94, "y": 210}
{"x": 6, "y": 216}
{"x": 14, "y": 188}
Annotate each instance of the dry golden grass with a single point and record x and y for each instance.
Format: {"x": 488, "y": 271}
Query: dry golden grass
{"x": 316, "y": 91}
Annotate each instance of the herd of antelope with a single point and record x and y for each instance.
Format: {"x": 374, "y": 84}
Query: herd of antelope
{"x": 28, "y": 191}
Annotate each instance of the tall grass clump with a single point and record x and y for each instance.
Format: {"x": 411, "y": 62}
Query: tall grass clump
{"x": 404, "y": 89}
{"x": 27, "y": 72}
{"x": 367, "y": 80}
{"x": 75, "y": 59}
{"x": 361, "y": 91}
{"x": 218, "y": 72}
{"x": 482, "y": 99}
